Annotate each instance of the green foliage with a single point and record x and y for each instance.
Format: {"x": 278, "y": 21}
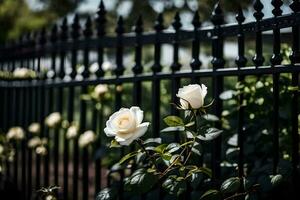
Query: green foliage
{"x": 231, "y": 185}
{"x": 107, "y": 194}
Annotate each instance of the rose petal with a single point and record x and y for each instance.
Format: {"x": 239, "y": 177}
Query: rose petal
{"x": 138, "y": 113}
{"x": 109, "y": 132}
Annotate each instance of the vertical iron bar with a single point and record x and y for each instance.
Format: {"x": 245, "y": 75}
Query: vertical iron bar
{"x": 217, "y": 62}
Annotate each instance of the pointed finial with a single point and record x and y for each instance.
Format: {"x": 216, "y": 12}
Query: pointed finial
{"x": 159, "y": 23}
{"x": 295, "y": 6}
{"x": 240, "y": 18}
{"x": 217, "y": 16}
{"x": 88, "y": 32}
{"x": 196, "y": 20}
{"x": 75, "y": 27}
{"x": 139, "y": 25}
{"x": 120, "y": 26}
{"x": 64, "y": 30}
{"x": 101, "y": 20}
{"x": 277, "y": 10}
{"x": 258, "y": 6}
{"x": 176, "y": 23}
{"x": 43, "y": 38}
{"x": 53, "y": 36}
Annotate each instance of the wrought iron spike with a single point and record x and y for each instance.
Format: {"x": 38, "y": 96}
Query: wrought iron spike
{"x": 240, "y": 18}
{"x": 64, "y": 30}
{"x": 120, "y": 26}
{"x": 139, "y": 25}
{"x": 217, "y": 16}
{"x": 75, "y": 27}
{"x": 277, "y": 10}
{"x": 100, "y": 19}
{"x": 258, "y": 6}
{"x": 42, "y": 39}
{"x": 53, "y": 36}
{"x": 196, "y": 20}
{"x": 159, "y": 23}
{"x": 295, "y": 6}
{"x": 176, "y": 23}
{"x": 88, "y": 32}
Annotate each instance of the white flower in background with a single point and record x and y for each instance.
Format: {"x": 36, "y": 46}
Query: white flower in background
{"x": 100, "y": 90}
{"x": 41, "y": 150}
{"x": 1, "y": 149}
{"x": 107, "y": 66}
{"x": 15, "y": 133}
{"x": 192, "y": 95}
{"x": 72, "y": 131}
{"x": 34, "y": 128}
{"x": 126, "y": 125}
{"x": 53, "y": 120}
{"x": 86, "y": 138}
{"x": 44, "y": 141}
{"x": 34, "y": 142}
{"x": 23, "y": 73}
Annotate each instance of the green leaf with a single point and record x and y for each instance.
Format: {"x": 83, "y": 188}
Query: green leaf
{"x": 192, "y": 123}
{"x": 173, "y": 121}
{"x": 276, "y": 180}
{"x": 231, "y": 185}
{"x": 210, "y": 134}
{"x": 160, "y": 149}
{"x": 210, "y": 117}
{"x": 107, "y": 194}
{"x": 174, "y": 185}
{"x": 127, "y": 157}
{"x": 211, "y": 195}
{"x": 172, "y": 129}
{"x": 153, "y": 140}
{"x": 86, "y": 97}
{"x": 173, "y": 147}
{"x": 141, "y": 181}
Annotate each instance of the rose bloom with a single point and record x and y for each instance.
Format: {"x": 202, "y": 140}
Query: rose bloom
{"x": 192, "y": 95}
{"x": 15, "y": 133}
{"x": 41, "y": 150}
{"x": 126, "y": 125}
{"x": 53, "y": 120}
{"x": 34, "y": 142}
{"x": 86, "y": 138}
{"x": 21, "y": 73}
{"x": 34, "y": 128}
{"x": 72, "y": 132}
{"x": 100, "y": 90}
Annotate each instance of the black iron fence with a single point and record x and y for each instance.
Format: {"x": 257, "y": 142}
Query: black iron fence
{"x": 65, "y": 46}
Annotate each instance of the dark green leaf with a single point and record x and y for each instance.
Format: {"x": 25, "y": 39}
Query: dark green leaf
{"x": 231, "y": 185}
{"x": 211, "y": 195}
{"x": 153, "y": 140}
{"x": 210, "y": 117}
{"x": 114, "y": 144}
{"x": 173, "y": 121}
{"x": 127, "y": 157}
{"x": 276, "y": 180}
{"x": 210, "y": 134}
{"x": 172, "y": 129}
{"x": 174, "y": 185}
{"x": 173, "y": 147}
{"x": 107, "y": 194}
{"x": 160, "y": 149}
{"x": 190, "y": 124}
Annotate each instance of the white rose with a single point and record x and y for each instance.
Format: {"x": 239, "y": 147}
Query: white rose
{"x": 53, "y": 119}
{"x": 16, "y": 133}
{"x": 72, "y": 132}
{"x": 192, "y": 95}
{"x": 86, "y": 138}
{"x": 126, "y": 125}
{"x": 41, "y": 150}
{"x": 100, "y": 90}
{"x": 34, "y": 128}
{"x": 34, "y": 142}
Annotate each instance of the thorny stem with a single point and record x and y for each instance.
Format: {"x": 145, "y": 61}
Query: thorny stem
{"x": 140, "y": 143}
